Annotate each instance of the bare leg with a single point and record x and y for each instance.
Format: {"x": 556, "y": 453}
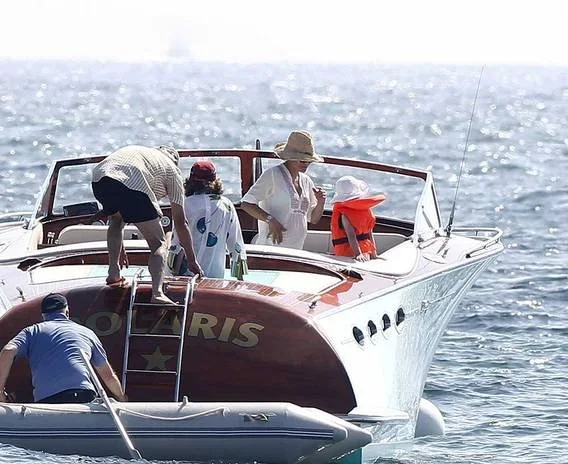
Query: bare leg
{"x": 154, "y": 234}
{"x": 114, "y": 244}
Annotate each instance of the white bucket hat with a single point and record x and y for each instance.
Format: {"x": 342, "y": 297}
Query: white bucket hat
{"x": 298, "y": 147}
{"x": 348, "y": 188}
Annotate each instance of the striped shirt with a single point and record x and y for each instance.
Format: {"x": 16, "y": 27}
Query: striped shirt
{"x": 146, "y": 170}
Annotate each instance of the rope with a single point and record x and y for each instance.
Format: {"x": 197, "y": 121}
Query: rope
{"x": 211, "y": 412}
{"x": 188, "y": 417}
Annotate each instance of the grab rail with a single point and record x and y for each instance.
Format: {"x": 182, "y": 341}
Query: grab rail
{"x": 490, "y": 240}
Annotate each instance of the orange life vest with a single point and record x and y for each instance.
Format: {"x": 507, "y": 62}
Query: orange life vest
{"x": 358, "y": 212}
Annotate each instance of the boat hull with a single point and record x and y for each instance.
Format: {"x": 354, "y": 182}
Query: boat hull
{"x": 399, "y": 331}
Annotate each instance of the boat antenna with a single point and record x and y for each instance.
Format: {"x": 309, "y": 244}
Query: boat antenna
{"x": 451, "y": 221}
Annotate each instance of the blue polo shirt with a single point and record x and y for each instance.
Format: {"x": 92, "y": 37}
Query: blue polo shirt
{"x": 52, "y": 348}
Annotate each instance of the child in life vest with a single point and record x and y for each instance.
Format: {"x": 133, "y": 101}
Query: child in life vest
{"x": 352, "y": 219}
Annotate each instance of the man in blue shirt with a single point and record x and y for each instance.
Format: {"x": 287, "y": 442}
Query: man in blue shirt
{"x": 59, "y": 374}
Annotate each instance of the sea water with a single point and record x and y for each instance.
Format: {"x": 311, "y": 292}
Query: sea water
{"x": 499, "y": 374}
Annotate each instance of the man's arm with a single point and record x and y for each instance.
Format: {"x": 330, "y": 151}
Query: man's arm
{"x": 184, "y": 236}
{"x": 111, "y": 381}
{"x": 6, "y": 359}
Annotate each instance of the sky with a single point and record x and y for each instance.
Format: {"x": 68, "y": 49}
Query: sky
{"x": 320, "y": 31}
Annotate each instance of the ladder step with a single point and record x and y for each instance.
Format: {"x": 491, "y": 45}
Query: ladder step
{"x": 159, "y": 305}
{"x": 181, "y": 310}
{"x": 146, "y": 371}
{"x": 181, "y": 283}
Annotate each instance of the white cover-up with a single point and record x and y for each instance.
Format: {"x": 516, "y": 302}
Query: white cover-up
{"x": 275, "y": 194}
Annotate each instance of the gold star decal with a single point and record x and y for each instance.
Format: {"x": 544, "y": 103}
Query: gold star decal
{"x": 156, "y": 360}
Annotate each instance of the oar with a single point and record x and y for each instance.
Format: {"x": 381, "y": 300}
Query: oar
{"x": 134, "y": 454}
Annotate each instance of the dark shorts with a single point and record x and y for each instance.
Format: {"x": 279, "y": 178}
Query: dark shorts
{"x": 133, "y": 206}
{"x": 74, "y": 395}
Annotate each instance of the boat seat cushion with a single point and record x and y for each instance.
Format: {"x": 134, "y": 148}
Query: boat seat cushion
{"x": 93, "y": 233}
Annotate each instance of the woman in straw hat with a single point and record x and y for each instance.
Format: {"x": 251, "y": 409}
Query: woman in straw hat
{"x": 284, "y": 198}
{"x": 352, "y": 219}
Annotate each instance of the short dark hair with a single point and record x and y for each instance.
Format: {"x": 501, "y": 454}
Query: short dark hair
{"x": 53, "y": 303}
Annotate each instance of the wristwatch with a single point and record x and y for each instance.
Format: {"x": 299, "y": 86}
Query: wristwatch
{"x": 268, "y": 218}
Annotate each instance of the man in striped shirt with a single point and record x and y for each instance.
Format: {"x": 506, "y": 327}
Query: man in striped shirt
{"x": 129, "y": 183}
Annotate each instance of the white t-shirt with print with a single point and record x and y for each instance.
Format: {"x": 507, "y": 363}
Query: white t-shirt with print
{"x": 215, "y": 230}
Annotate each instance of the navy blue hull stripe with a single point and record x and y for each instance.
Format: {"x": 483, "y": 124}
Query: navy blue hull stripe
{"x": 167, "y": 433}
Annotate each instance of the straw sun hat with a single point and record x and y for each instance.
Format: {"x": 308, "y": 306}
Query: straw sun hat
{"x": 298, "y": 147}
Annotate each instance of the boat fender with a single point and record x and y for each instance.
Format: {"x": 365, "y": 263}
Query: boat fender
{"x": 429, "y": 420}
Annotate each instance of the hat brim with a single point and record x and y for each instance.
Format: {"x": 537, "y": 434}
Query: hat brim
{"x": 291, "y": 155}
{"x": 379, "y": 197}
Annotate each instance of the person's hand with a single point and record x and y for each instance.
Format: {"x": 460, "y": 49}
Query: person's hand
{"x": 96, "y": 218}
{"x": 362, "y": 257}
{"x": 194, "y": 267}
{"x": 320, "y": 194}
{"x": 275, "y": 230}
{"x": 123, "y": 260}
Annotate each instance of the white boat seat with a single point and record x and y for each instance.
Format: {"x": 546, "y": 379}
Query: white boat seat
{"x": 93, "y": 233}
{"x": 399, "y": 260}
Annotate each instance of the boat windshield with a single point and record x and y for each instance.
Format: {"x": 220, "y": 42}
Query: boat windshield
{"x": 74, "y": 181}
{"x": 402, "y": 192}
{"x": 410, "y": 195}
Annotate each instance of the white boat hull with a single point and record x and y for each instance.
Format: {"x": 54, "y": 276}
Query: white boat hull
{"x": 388, "y": 369}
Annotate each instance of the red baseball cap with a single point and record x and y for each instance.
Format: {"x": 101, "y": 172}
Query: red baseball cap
{"x": 203, "y": 171}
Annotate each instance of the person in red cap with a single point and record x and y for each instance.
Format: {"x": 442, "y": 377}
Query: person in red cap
{"x": 214, "y": 225}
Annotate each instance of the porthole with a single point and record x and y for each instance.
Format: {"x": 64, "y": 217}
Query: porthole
{"x": 372, "y": 328}
{"x": 386, "y": 322}
{"x": 399, "y": 319}
{"x": 358, "y": 335}
{"x": 400, "y": 316}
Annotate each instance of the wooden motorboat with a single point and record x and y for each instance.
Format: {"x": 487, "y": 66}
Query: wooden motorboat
{"x": 305, "y": 327}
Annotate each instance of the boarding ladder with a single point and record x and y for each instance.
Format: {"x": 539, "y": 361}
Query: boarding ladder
{"x": 181, "y": 308}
